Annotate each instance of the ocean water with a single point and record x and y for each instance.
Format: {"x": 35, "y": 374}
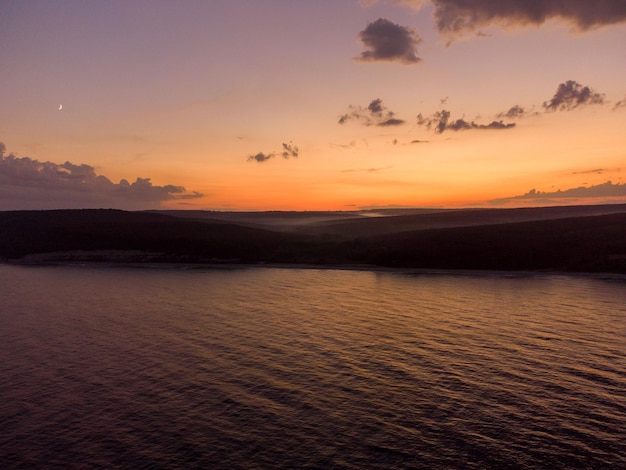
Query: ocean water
{"x": 105, "y": 367}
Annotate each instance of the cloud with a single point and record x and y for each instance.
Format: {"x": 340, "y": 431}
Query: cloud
{"x": 288, "y": 150}
{"x": 367, "y": 170}
{"x": 386, "y": 41}
{"x": 26, "y": 183}
{"x": 438, "y": 121}
{"x": 391, "y": 122}
{"x": 441, "y": 122}
{"x": 261, "y": 157}
{"x": 376, "y": 107}
{"x": 514, "y": 112}
{"x": 570, "y": 95}
{"x": 598, "y": 171}
{"x": 457, "y": 17}
{"x": 620, "y": 104}
{"x": 603, "y": 190}
{"x": 374, "y": 114}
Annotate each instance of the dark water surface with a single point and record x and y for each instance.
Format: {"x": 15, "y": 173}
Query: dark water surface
{"x": 288, "y": 368}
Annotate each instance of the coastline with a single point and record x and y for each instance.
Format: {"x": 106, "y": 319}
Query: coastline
{"x": 185, "y": 266}
{"x": 586, "y": 244}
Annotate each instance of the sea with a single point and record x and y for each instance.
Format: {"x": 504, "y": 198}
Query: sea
{"x": 180, "y": 367}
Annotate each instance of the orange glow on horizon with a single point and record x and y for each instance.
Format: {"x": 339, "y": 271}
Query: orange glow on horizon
{"x": 283, "y": 118}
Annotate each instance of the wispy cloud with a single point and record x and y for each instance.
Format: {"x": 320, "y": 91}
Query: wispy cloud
{"x": 375, "y": 114}
{"x": 570, "y": 95}
{"x": 603, "y": 190}
{"x": 26, "y": 183}
{"x": 440, "y": 122}
{"x": 598, "y": 171}
{"x": 366, "y": 170}
{"x": 620, "y": 104}
{"x": 288, "y": 150}
{"x": 386, "y": 41}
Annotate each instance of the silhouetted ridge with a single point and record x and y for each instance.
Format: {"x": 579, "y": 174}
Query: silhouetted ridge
{"x": 594, "y": 243}
{"x": 165, "y": 238}
{"x": 590, "y": 243}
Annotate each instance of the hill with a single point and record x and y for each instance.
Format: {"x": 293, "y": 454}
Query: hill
{"x": 552, "y": 239}
{"x": 352, "y": 224}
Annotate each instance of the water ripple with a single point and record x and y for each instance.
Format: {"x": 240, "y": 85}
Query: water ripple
{"x": 279, "y": 368}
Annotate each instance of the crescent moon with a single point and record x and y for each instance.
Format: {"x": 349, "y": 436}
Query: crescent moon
{"x": 60, "y": 107}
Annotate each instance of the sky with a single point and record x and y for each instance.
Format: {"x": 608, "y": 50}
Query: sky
{"x": 311, "y": 105}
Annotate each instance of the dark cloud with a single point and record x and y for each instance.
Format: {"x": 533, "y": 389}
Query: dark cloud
{"x": 462, "y": 125}
{"x": 391, "y": 122}
{"x": 386, "y": 41}
{"x": 290, "y": 150}
{"x": 441, "y": 122}
{"x": 514, "y": 112}
{"x": 570, "y": 95}
{"x": 376, "y": 107}
{"x": 603, "y": 190}
{"x": 438, "y": 121}
{"x": 493, "y": 125}
{"x": 375, "y": 114}
{"x": 261, "y": 157}
{"x": 26, "y": 183}
{"x": 456, "y": 17}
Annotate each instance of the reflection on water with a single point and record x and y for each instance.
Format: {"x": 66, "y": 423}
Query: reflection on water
{"x": 284, "y": 368}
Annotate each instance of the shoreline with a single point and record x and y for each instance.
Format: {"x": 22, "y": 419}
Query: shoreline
{"x": 593, "y": 245}
{"x": 339, "y": 267}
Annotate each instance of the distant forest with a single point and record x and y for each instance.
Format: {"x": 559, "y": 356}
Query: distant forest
{"x": 555, "y": 241}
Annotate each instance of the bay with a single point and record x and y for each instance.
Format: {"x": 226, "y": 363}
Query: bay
{"x": 114, "y": 367}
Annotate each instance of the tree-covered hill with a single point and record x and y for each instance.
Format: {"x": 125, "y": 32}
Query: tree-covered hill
{"x": 586, "y": 243}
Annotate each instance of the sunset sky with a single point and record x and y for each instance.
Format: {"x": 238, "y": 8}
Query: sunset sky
{"x": 311, "y": 105}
